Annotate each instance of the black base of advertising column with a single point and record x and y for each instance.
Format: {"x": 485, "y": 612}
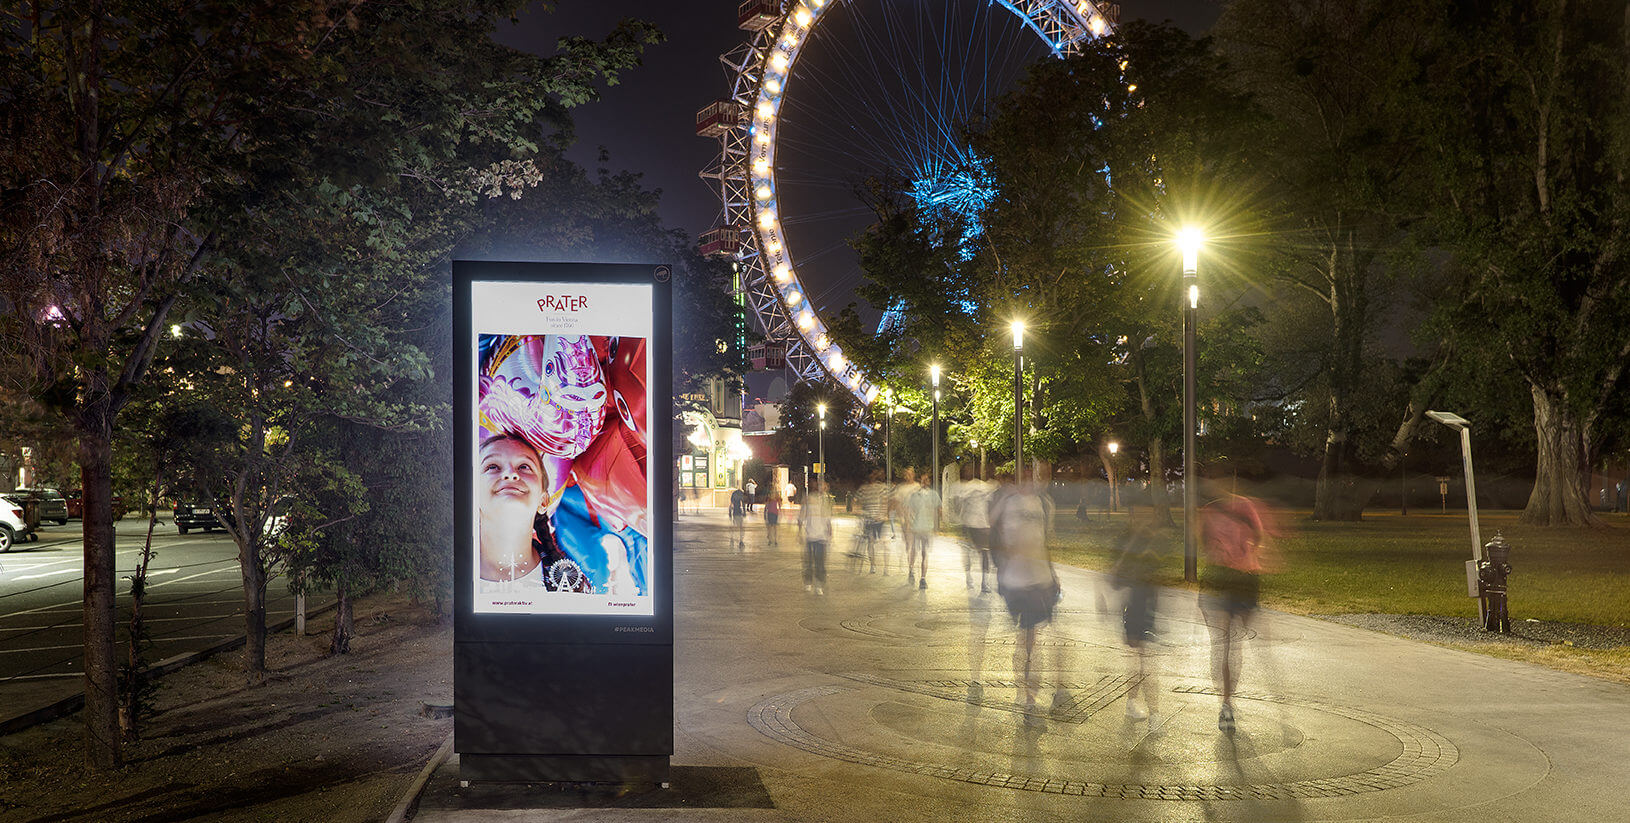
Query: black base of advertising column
{"x": 563, "y": 627}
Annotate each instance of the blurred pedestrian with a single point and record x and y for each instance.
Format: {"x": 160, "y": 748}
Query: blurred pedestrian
{"x": 973, "y": 509}
{"x": 772, "y": 520}
{"x": 897, "y": 505}
{"x": 738, "y": 520}
{"x": 923, "y": 520}
{"x": 1233, "y": 531}
{"x": 874, "y": 508}
{"x": 1020, "y": 522}
{"x": 815, "y": 516}
{"x": 752, "y": 493}
{"x": 1139, "y": 553}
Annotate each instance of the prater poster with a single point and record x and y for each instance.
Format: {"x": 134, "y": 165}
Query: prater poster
{"x": 562, "y": 487}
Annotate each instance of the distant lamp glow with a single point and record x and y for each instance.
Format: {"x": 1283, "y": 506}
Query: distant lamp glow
{"x": 1018, "y": 334}
{"x": 820, "y": 408}
{"x": 765, "y": 192}
{"x": 1098, "y": 26}
{"x": 793, "y": 297}
{"x": 1114, "y": 447}
{"x": 802, "y": 16}
{"x": 778, "y": 61}
{"x": 783, "y": 273}
{"x": 761, "y": 166}
{"x": 806, "y": 321}
{"x": 175, "y": 330}
{"x": 766, "y": 218}
{"x": 1189, "y": 239}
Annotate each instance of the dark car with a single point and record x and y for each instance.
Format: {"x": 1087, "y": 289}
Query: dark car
{"x": 195, "y": 515}
{"x": 53, "y": 506}
{"x": 76, "y": 505}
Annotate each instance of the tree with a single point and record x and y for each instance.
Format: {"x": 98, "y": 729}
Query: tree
{"x": 124, "y": 117}
{"x": 1339, "y": 86}
{"x": 1531, "y": 148}
{"x": 798, "y": 439}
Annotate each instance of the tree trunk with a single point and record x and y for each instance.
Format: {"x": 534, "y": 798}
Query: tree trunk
{"x": 102, "y": 739}
{"x": 1338, "y": 496}
{"x": 1562, "y": 474}
{"x": 1158, "y": 503}
{"x": 254, "y": 608}
{"x": 344, "y": 625}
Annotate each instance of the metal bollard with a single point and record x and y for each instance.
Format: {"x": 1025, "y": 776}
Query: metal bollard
{"x": 1492, "y": 571}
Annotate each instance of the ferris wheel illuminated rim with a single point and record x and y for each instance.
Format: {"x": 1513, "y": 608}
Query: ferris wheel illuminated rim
{"x": 1061, "y": 24}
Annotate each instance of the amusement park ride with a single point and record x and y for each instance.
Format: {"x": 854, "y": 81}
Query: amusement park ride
{"x": 745, "y": 125}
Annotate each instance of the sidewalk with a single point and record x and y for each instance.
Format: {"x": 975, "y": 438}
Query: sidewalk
{"x": 882, "y": 702}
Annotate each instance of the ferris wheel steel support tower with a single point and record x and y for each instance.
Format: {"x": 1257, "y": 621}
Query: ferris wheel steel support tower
{"x": 744, "y": 123}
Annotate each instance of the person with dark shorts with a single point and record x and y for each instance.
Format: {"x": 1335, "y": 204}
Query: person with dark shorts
{"x": 973, "y": 509}
{"x": 1232, "y": 531}
{"x": 1138, "y": 558}
{"x": 1020, "y": 518}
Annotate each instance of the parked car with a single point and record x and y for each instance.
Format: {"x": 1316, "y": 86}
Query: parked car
{"x": 12, "y": 526}
{"x": 195, "y": 515}
{"x": 53, "y": 506}
{"x": 76, "y": 505}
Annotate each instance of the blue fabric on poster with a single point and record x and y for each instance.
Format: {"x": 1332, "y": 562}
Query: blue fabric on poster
{"x": 579, "y": 537}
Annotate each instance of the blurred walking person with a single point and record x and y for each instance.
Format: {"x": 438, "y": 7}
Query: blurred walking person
{"x": 815, "y": 516}
{"x": 973, "y": 509}
{"x": 772, "y": 520}
{"x": 1232, "y": 530}
{"x": 922, "y": 520}
{"x": 738, "y": 520}
{"x": 1139, "y": 552}
{"x": 1020, "y": 523}
{"x": 897, "y": 506}
{"x": 874, "y": 509}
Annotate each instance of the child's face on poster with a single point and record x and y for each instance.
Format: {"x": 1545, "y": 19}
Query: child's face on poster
{"x": 512, "y": 479}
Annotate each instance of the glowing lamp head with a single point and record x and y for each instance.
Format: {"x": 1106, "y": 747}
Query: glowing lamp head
{"x": 1114, "y": 447}
{"x": 1194, "y": 296}
{"x": 1018, "y": 335}
{"x": 820, "y": 408}
{"x": 934, "y": 373}
{"x": 1189, "y": 240}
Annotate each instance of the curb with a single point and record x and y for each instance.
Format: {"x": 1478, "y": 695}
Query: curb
{"x": 410, "y": 801}
{"x": 73, "y": 703}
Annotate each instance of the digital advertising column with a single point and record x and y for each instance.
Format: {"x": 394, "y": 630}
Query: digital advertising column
{"x": 563, "y": 621}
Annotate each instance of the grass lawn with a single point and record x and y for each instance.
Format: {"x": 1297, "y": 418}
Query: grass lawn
{"x": 1410, "y": 565}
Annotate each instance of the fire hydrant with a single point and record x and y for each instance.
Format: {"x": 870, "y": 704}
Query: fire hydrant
{"x": 1492, "y": 571}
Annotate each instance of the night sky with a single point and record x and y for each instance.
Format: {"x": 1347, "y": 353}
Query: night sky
{"x": 646, "y": 123}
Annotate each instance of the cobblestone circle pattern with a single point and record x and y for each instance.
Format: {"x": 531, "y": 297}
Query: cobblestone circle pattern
{"x": 1425, "y": 753}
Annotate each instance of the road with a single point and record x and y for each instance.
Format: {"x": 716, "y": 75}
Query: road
{"x": 195, "y": 599}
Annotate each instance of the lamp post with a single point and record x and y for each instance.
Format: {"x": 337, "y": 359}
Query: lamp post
{"x": 888, "y": 447}
{"x": 1114, "y": 472}
{"x": 1018, "y": 401}
{"x": 820, "y": 440}
{"x": 934, "y": 374}
{"x": 1189, "y": 240}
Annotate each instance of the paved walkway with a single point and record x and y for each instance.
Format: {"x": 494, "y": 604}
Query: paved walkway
{"x": 882, "y": 702}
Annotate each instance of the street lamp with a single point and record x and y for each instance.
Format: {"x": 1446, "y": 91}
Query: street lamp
{"x": 888, "y": 446}
{"x": 820, "y": 439}
{"x": 1114, "y": 469}
{"x": 1018, "y": 401}
{"x": 934, "y": 374}
{"x": 1189, "y": 240}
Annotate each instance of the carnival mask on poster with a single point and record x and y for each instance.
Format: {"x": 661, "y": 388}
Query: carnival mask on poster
{"x": 548, "y": 389}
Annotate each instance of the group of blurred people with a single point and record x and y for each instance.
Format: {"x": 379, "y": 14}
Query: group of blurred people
{"x": 1005, "y": 528}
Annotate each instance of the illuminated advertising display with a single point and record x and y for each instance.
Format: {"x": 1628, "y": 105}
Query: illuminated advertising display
{"x": 562, "y": 544}
{"x": 562, "y": 488}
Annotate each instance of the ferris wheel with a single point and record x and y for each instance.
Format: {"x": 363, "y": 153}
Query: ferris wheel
{"x": 752, "y": 230}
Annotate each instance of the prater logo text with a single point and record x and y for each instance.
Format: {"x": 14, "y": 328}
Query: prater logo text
{"x": 563, "y": 302}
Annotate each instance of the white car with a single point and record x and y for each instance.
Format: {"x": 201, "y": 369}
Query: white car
{"x": 12, "y": 527}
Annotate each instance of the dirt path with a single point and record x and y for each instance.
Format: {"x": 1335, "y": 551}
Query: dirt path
{"x": 326, "y": 738}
